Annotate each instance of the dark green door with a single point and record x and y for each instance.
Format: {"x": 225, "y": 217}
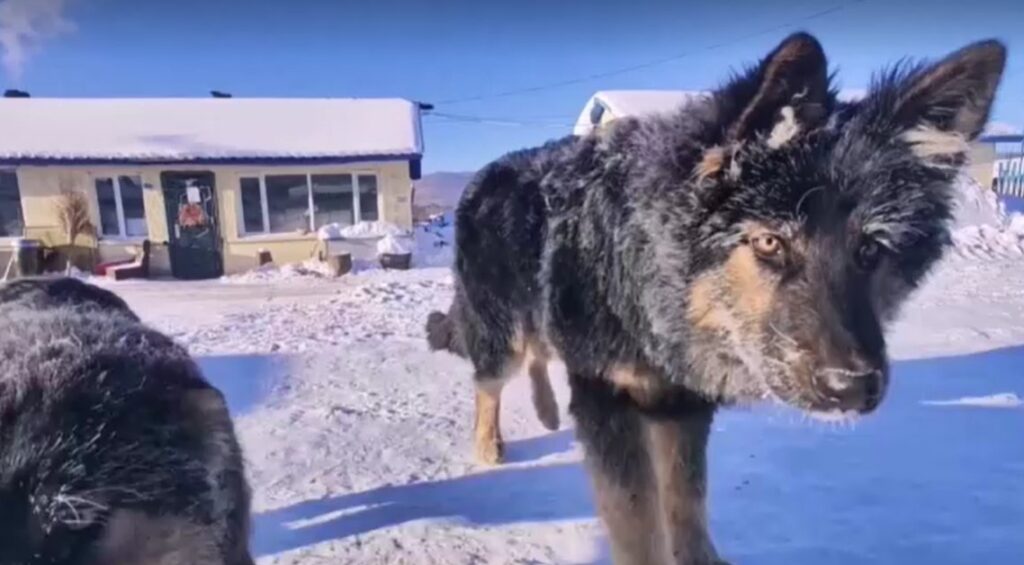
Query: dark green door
{"x": 194, "y": 242}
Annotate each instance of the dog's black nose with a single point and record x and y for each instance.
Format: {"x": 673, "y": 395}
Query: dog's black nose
{"x": 859, "y": 391}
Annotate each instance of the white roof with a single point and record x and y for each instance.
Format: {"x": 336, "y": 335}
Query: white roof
{"x": 190, "y": 129}
{"x": 633, "y": 103}
{"x": 1001, "y": 129}
{"x": 638, "y": 103}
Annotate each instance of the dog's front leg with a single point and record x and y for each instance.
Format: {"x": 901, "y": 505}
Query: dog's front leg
{"x": 677, "y": 449}
{"x": 612, "y": 433}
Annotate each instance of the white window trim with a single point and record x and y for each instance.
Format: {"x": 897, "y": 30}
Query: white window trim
{"x": 122, "y": 224}
{"x": 266, "y": 234}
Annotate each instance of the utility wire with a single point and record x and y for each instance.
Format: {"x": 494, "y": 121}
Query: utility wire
{"x": 656, "y": 62}
{"x": 555, "y": 122}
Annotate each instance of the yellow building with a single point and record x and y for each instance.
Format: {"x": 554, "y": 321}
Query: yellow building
{"x": 209, "y": 182}
{"x": 607, "y": 105}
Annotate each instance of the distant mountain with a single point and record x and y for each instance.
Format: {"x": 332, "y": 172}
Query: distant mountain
{"x": 439, "y": 192}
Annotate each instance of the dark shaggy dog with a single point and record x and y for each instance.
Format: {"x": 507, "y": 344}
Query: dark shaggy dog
{"x": 114, "y": 450}
{"x": 750, "y": 246}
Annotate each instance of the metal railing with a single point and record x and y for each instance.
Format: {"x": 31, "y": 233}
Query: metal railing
{"x": 1009, "y": 179}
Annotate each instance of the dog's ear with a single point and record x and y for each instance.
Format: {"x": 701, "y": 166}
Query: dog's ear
{"x": 790, "y": 93}
{"x": 942, "y": 106}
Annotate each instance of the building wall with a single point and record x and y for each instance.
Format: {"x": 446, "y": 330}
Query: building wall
{"x": 240, "y": 251}
{"x": 40, "y": 188}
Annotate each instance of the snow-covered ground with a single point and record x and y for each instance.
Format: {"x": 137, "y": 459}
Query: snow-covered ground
{"x": 358, "y": 438}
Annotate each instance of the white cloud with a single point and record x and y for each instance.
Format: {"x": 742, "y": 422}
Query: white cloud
{"x": 24, "y": 26}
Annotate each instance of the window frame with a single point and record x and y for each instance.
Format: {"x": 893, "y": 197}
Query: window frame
{"x": 21, "y": 207}
{"x": 122, "y": 221}
{"x": 261, "y": 176}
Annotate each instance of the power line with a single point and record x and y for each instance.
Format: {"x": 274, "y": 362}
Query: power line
{"x": 555, "y": 122}
{"x": 654, "y": 63}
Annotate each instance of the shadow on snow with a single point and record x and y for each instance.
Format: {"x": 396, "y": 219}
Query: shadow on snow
{"x": 910, "y": 484}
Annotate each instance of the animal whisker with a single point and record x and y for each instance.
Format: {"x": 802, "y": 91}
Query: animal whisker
{"x": 800, "y": 203}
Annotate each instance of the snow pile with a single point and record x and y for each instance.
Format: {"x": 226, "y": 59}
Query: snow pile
{"x": 309, "y": 270}
{"x": 391, "y": 245}
{"x": 1002, "y": 400}
{"x": 975, "y": 205}
{"x": 981, "y": 227}
{"x": 362, "y": 230}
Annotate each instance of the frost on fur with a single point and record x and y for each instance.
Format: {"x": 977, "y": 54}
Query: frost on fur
{"x": 102, "y": 416}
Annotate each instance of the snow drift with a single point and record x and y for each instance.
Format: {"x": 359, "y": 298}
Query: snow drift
{"x": 393, "y": 245}
{"x": 1002, "y": 400}
{"x": 361, "y": 230}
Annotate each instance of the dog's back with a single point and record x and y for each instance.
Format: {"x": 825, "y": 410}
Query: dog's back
{"x": 113, "y": 447}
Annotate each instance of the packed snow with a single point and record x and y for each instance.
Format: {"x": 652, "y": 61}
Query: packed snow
{"x": 1002, "y": 400}
{"x": 306, "y": 270}
{"x": 360, "y": 230}
{"x": 982, "y": 227}
{"x": 359, "y": 439}
{"x": 392, "y": 245}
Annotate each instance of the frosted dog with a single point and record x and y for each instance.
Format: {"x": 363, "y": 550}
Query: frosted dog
{"x": 114, "y": 450}
{"x": 751, "y": 245}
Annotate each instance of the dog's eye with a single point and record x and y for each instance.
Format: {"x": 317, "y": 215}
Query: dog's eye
{"x": 868, "y": 254}
{"x": 766, "y": 246}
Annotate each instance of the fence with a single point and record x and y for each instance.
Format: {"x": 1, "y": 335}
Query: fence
{"x": 1009, "y": 180}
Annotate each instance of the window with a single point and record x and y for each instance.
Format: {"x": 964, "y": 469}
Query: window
{"x": 287, "y": 202}
{"x": 122, "y": 212}
{"x": 368, "y": 198}
{"x": 333, "y": 201}
{"x": 11, "y": 222}
{"x": 252, "y": 205}
{"x": 291, "y": 203}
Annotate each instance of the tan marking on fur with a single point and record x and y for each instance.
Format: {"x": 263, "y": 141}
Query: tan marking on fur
{"x": 517, "y": 344}
{"x": 738, "y": 288}
{"x": 134, "y": 538}
{"x": 711, "y": 164}
{"x": 928, "y": 142}
{"x": 642, "y": 385}
{"x": 680, "y": 492}
{"x": 630, "y": 515}
{"x": 705, "y": 310}
{"x": 750, "y": 289}
{"x": 489, "y": 444}
{"x": 785, "y": 130}
{"x": 523, "y": 348}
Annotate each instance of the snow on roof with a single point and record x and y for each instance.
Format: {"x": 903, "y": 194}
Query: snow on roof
{"x": 644, "y": 102}
{"x": 198, "y": 129}
{"x": 636, "y": 103}
{"x": 633, "y": 103}
{"x": 1002, "y": 132}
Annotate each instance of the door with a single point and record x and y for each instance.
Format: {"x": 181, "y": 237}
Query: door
{"x": 193, "y": 234}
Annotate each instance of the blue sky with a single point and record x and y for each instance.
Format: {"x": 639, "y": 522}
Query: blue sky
{"x": 443, "y": 51}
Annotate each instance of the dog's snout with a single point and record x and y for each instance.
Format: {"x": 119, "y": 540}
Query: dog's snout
{"x": 860, "y": 389}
